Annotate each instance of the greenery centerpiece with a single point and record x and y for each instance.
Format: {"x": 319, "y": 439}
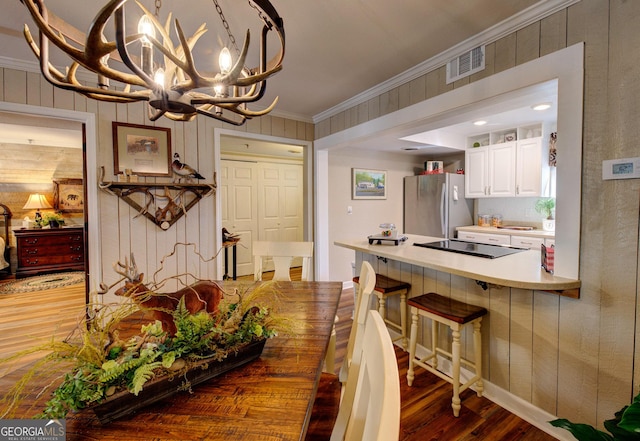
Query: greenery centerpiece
{"x": 99, "y": 362}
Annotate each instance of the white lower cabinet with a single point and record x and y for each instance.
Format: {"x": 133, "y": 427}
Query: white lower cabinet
{"x": 527, "y": 242}
{"x": 505, "y": 239}
{"x": 495, "y": 239}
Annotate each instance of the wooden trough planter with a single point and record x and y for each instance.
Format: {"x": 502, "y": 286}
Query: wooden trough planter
{"x": 125, "y": 403}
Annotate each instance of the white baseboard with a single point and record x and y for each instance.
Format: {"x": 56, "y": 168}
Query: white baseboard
{"x": 516, "y": 405}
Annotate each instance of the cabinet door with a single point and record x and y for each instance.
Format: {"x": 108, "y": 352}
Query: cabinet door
{"x": 475, "y": 175}
{"x": 502, "y": 166}
{"x": 529, "y": 168}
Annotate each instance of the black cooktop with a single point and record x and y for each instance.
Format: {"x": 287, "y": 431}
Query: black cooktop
{"x": 471, "y": 248}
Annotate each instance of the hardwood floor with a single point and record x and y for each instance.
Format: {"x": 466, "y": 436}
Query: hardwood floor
{"x": 33, "y": 318}
{"x": 426, "y": 406}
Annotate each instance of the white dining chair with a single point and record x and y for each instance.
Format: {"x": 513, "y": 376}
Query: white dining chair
{"x": 282, "y": 254}
{"x": 374, "y": 412}
{"x": 363, "y": 302}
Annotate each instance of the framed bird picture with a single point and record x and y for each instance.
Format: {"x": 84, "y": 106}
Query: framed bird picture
{"x": 141, "y": 150}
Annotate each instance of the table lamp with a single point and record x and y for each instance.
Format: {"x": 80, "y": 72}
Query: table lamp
{"x": 36, "y": 202}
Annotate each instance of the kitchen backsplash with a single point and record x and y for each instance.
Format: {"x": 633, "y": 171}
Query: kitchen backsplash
{"x": 520, "y": 211}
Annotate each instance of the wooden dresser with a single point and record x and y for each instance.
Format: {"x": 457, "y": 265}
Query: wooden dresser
{"x": 49, "y": 250}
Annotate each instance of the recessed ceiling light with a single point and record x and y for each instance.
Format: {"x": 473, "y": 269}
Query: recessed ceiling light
{"x": 541, "y": 106}
{"x": 480, "y": 122}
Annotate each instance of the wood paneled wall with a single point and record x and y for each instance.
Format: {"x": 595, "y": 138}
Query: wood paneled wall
{"x": 579, "y": 359}
{"x": 121, "y": 230}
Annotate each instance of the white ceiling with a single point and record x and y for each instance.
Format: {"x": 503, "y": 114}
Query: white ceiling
{"x": 335, "y": 49}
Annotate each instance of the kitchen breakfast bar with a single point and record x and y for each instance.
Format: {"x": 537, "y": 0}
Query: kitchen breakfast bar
{"x": 528, "y": 308}
{"x": 519, "y": 270}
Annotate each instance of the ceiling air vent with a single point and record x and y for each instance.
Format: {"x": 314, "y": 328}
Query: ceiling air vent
{"x": 466, "y": 64}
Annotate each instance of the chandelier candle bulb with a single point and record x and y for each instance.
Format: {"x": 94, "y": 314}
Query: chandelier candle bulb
{"x": 225, "y": 61}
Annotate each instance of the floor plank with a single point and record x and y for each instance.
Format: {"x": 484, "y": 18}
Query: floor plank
{"x": 426, "y": 406}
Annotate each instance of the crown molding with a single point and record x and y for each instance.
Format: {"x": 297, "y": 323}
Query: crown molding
{"x": 534, "y": 13}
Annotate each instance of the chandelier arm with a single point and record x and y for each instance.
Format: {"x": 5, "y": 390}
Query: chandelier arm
{"x": 180, "y": 116}
{"x": 153, "y": 116}
{"x": 274, "y": 21}
{"x": 219, "y": 117}
{"x": 69, "y": 81}
{"x": 36, "y": 50}
{"x": 265, "y": 70}
{"x": 124, "y": 52}
{"x": 95, "y": 47}
{"x": 39, "y": 14}
{"x": 249, "y": 113}
{"x": 190, "y": 66}
{"x": 249, "y": 97}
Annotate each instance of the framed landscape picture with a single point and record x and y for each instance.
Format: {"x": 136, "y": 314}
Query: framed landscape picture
{"x": 369, "y": 184}
{"x": 68, "y": 195}
{"x": 144, "y": 150}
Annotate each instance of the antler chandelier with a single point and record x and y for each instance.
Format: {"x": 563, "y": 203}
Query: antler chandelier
{"x": 175, "y": 89}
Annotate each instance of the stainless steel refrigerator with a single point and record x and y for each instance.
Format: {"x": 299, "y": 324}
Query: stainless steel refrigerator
{"x": 434, "y": 205}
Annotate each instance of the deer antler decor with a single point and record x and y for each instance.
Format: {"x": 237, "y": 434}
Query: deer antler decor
{"x": 178, "y": 90}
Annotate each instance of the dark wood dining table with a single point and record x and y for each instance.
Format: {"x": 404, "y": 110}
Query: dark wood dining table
{"x": 267, "y": 399}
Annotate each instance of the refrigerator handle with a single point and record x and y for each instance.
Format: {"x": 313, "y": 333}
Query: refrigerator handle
{"x": 443, "y": 198}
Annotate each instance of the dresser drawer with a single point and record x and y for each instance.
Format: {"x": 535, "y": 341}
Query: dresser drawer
{"x": 49, "y": 250}
{"x": 57, "y": 259}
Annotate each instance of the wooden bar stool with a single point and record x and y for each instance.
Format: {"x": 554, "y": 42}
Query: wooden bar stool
{"x": 455, "y": 315}
{"x": 386, "y": 287}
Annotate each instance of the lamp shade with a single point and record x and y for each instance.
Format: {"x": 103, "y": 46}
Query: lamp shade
{"x": 36, "y": 201}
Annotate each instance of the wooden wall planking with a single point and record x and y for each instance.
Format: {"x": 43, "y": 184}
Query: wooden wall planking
{"x": 589, "y": 344}
{"x": 121, "y": 232}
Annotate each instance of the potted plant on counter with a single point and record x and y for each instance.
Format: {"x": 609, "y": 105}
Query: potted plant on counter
{"x": 546, "y": 206}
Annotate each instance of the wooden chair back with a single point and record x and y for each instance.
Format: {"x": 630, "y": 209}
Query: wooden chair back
{"x": 282, "y": 254}
{"x": 374, "y": 414}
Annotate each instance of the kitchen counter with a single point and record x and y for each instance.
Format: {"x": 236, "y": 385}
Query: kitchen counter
{"x": 494, "y": 230}
{"x": 519, "y": 270}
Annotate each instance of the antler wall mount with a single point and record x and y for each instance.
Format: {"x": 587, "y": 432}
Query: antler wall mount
{"x": 182, "y": 91}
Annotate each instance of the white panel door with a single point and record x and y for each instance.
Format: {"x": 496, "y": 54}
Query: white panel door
{"x": 529, "y": 168}
{"x": 280, "y": 207}
{"x": 502, "y": 169}
{"x": 476, "y": 172}
{"x": 239, "y": 193}
{"x": 260, "y": 201}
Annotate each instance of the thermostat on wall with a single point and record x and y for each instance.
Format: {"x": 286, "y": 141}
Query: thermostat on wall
{"x": 624, "y": 168}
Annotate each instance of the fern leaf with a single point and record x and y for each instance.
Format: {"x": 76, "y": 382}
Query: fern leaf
{"x": 143, "y": 374}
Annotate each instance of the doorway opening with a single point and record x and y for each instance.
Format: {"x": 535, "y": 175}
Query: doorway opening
{"x": 263, "y": 192}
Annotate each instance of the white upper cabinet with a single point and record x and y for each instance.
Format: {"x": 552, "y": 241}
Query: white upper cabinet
{"x": 513, "y": 164}
{"x": 490, "y": 171}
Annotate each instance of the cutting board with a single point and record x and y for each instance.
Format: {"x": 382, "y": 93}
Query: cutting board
{"x": 515, "y": 227}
